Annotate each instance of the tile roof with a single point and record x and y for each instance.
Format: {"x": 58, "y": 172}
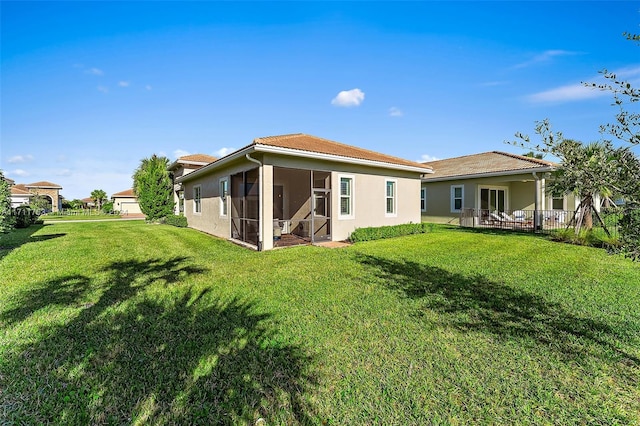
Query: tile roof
{"x": 198, "y": 158}
{"x": 16, "y": 190}
{"x": 125, "y": 193}
{"x": 43, "y": 184}
{"x": 303, "y": 142}
{"x": 494, "y": 162}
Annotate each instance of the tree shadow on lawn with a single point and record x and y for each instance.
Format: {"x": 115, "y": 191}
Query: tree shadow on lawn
{"x": 175, "y": 357}
{"x": 18, "y": 237}
{"x": 478, "y": 304}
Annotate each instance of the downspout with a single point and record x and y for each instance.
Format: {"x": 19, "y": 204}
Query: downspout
{"x": 261, "y": 201}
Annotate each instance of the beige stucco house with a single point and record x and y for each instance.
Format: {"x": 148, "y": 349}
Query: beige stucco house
{"x": 182, "y": 166}
{"x": 297, "y": 189}
{"x": 126, "y": 202}
{"x": 23, "y": 194}
{"x": 489, "y": 182}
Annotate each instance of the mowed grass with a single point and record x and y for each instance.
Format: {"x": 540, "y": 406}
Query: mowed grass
{"x": 126, "y": 322}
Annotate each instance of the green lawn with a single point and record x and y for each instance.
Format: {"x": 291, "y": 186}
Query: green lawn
{"x": 100, "y": 216}
{"x": 127, "y": 322}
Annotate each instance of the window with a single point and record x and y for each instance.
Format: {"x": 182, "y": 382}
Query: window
{"x": 423, "y": 199}
{"x": 493, "y": 199}
{"x": 457, "y": 198}
{"x": 197, "y": 207}
{"x": 181, "y": 203}
{"x": 346, "y": 197}
{"x": 390, "y": 197}
{"x": 557, "y": 203}
{"x": 224, "y": 193}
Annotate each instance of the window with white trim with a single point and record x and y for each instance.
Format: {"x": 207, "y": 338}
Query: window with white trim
{"x": 224, "y": 195}
{"x": 197, "y": 201}
{"x": 557, "y": 203}
{"x": 457, "y": 198}
{"x": 390, "y": 197}
{"x": 346, "y": 196}
{"x": 423, "y": 199}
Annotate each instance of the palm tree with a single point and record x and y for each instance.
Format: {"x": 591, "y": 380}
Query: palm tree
{"x": 98, "y": 196}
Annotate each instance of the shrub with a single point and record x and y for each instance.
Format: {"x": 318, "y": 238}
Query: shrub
{"x": 630, "y": 232}
{"x": 179, "y": 221}
{"x": 107, "y": 207}
{"x": 595, "y": 237}
{"x": 25, "y": 216}
{"x": 378, "y": 233}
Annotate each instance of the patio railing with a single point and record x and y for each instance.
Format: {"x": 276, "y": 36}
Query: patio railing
{"x": 540, "y": 221}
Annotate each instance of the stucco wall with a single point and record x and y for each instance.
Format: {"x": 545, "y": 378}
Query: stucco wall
{"x": 128, "y": 204}
{"x": 369, "y": 196}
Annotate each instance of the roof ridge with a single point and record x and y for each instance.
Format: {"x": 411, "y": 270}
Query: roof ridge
{"x": 526, "y": 158}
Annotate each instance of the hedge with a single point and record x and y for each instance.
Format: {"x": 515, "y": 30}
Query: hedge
{"x": 378, "y": 233}
{"x": 179, "y": 221}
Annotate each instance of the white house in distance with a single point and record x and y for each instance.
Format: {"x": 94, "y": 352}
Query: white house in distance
{"x": 22, "y": 194}
{"x": 299, "y": 189}
{"x": 126, "y": 202}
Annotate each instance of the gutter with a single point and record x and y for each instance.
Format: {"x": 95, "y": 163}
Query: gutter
{"x": 492, "y": 174}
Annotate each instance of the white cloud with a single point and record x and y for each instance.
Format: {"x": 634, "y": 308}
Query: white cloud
{"x": 123, "y": 83}
{"x": 545, "y": 56}
{"x": 103, "y": 89}
{"x": 148, "y": 87}
{"x": 18, "y": 172}
{"x": 61, "y": 158}
{"x": 425, "y": 158}
{"x": 20, "y": 159}
{"x": 94, "y": 71}
{"x": 223, "y": 151}
{"x": 395, "y": 112}
{"x": 180, "y": 153}
{"x": 568, "y": 93}
{"x": 348, "y": 98}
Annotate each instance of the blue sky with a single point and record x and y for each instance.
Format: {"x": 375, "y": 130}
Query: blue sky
{"x": 88, "y": 89}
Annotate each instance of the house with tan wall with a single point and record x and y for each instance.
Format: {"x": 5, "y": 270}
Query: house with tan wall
{"x": 489, "y": 182}
{"x": 126, "y": 202}
{"x": 300, "y": 189}
{"x": 183, "y": 166}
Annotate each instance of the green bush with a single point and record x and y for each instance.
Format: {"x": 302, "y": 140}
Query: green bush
{"x": 378, "y": 233}
{"x": 630, "y": 232}
{"x": 107, "y": 207}
{"x": 179, "y": 221}
{"x": 595, "y": 237}
{"x": 24, "y": 216}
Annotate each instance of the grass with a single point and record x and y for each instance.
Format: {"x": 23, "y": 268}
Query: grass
{"x": 97, "y": 216}
{"x": 126, "y": 322}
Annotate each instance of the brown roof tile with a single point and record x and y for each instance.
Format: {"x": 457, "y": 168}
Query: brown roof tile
{"x": 126, "y": 193}
{"x": 43, "y": 184}
{"x": 199, "y": 158}
{"x": 15, "y": 190}
{"x": 303, "y": 142}
{"x": 486, "y": 162}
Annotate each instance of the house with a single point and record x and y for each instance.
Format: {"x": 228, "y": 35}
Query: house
{"x": 300, "y": 189}
{"x": 126, "y": 202}
{"x": 24, "y": 194}
{"x": 489, "y": 182}
{"x": 182, "y": 166}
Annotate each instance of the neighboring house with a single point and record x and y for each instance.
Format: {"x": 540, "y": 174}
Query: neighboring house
{"x": 488, "y": 182}
{"x": 23, "y": 194}
{"x": 89, "y": 202}
{"x": 182, "y": 166}
{"x": 296, "y": 189}
{"x": 126, "y": 202}
{"x": 20, "y": 196}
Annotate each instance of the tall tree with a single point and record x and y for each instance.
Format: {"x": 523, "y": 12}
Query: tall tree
{"x": 6, "y": 218}
{"x": 153, "y": 187}
{"x": 98, "y": 196}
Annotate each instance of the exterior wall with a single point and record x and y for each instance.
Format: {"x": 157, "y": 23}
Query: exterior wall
{"x": 128, "y": 204}
{"x": 209, "y": 219}
{"x": 520, "y": 195}
{"x": 369, "y": 196}
{"x": 19, "y": 200}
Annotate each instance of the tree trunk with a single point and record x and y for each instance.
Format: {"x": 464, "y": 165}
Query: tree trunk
{"x": 588, "y": 212}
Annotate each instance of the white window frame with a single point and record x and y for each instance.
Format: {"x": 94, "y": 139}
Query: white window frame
{"x": 423, "y": 199}
{"x": 393, "y": 197}
{"x": 454, "y": 198}
{"x": 224, "y": 198}
{"x": 507, "y": 201}
{"x": 550, "y": 202}
{"x": 197, "y": 199}
{"x": 351, "y": 197}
